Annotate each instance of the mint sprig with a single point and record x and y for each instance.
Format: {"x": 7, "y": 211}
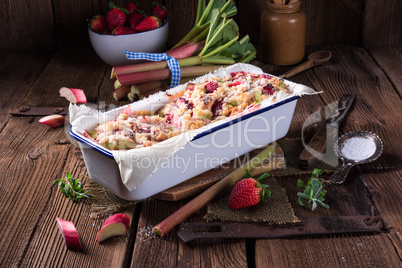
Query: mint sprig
{"x": 72, "y": 188}
{"x": 313, "y": 192}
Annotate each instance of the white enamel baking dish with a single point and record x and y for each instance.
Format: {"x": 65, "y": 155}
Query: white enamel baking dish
{"x": 207, "y": 150}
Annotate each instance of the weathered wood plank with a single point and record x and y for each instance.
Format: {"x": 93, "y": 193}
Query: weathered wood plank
{"x": 377, "y": 107}
{"x": 390, "y": 60}
{"x": 347, "y": 250}
{"x": 29, "y": 166}
{"x": 33, "y": 161}
{"x": 351, "y": 70}
{"x": 351, "y": 250}
{"x": 382, "y": 25}
{"x": 70, "y": 68}
{"x": 18, "y": 72}
{"x": 385, "y": 187}
{"x": 27, "y": 25}
{"x": 181, "y": 15}
{"x": 152, "y": 251}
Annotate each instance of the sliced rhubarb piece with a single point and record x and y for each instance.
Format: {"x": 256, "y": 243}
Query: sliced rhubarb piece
{"x": 53, "y": 120}
{"x": 73, "y": 95}
{"x": 69, "y": 233}
{"x": 115, "y": 225}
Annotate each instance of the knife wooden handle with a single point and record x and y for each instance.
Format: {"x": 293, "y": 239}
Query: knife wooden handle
{"x": 315, "y": 149}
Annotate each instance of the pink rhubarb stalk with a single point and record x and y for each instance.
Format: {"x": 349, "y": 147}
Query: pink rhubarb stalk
{"x": 197, "y": 203}
{"x": 186, "y": 50}
{"x": 149, "y": 88}
{"x": 164, "y": 74}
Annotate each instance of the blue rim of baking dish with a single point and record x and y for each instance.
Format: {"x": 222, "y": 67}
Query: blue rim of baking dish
{"x": 109, "y": 154}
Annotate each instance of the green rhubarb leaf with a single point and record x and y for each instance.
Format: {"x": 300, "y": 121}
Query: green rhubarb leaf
{"x": 229, "y": 9}
{"x": 218, "y": 59}
{"x": 203, "y": 19}
{"x": 200, "y": 11}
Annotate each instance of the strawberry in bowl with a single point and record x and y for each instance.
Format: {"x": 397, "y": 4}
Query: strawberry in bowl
{"x": 126, "y": 28}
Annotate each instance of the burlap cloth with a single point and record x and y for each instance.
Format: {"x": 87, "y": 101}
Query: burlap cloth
{"x": 277, "y": 209}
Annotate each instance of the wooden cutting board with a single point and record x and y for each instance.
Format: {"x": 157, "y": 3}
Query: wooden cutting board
{"x": 198, "y": 184}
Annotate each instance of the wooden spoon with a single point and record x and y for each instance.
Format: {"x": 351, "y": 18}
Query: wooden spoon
{"x": 314, "y": 59}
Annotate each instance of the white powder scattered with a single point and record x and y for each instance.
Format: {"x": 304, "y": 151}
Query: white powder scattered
{"x": 358, "y": 148}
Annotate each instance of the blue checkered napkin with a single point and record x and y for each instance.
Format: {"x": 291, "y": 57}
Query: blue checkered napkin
{"x": 174, "y": 66}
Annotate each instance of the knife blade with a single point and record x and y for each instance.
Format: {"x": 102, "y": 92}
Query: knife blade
{"x": 326, "y": 134}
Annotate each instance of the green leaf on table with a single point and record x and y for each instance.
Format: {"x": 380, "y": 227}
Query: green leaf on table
{"x": 72, "y": 188}
{"x": 313, "y": 192}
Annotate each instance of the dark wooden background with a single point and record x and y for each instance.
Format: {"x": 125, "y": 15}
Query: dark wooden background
{"x": 47, "y": 25}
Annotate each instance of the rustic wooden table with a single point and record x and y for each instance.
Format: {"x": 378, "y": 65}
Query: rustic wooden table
{"x": 34, "y": 155}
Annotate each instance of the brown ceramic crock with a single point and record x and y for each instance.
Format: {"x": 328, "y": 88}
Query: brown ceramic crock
{"x": 283, "y": 31}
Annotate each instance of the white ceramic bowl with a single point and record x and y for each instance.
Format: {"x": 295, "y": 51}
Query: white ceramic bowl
{"x": 110, "y": 48}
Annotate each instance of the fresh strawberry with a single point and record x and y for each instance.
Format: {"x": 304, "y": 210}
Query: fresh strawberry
{"x": 98, "y": 24}
{"x": 116, "y": 16}
{"x": 131, "y": 7}
{"x": 211, "y": 86}
{"x": 134, "y": 18}
{"x": 159, "y": 10}
{"x": 149, "y": 23}
{"x": 120, "y": 30}
{"x": 248, "y": 192}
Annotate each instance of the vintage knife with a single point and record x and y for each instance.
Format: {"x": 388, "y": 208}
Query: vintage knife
{"x": 38, "y": 111}
{"x": 42, "y": 111}
{"x": 307, "y": 226}
{"x": 327, "y": 134}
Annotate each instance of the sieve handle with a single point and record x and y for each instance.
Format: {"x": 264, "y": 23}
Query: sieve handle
{"x": 340, "y": 175}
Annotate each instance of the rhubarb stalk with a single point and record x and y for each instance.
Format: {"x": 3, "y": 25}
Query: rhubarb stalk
{"x": 197, "y": 203}
{"x": 121, "y": 92}
{"x": 186, "y": 50}
{"x": 163, "y": 74}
